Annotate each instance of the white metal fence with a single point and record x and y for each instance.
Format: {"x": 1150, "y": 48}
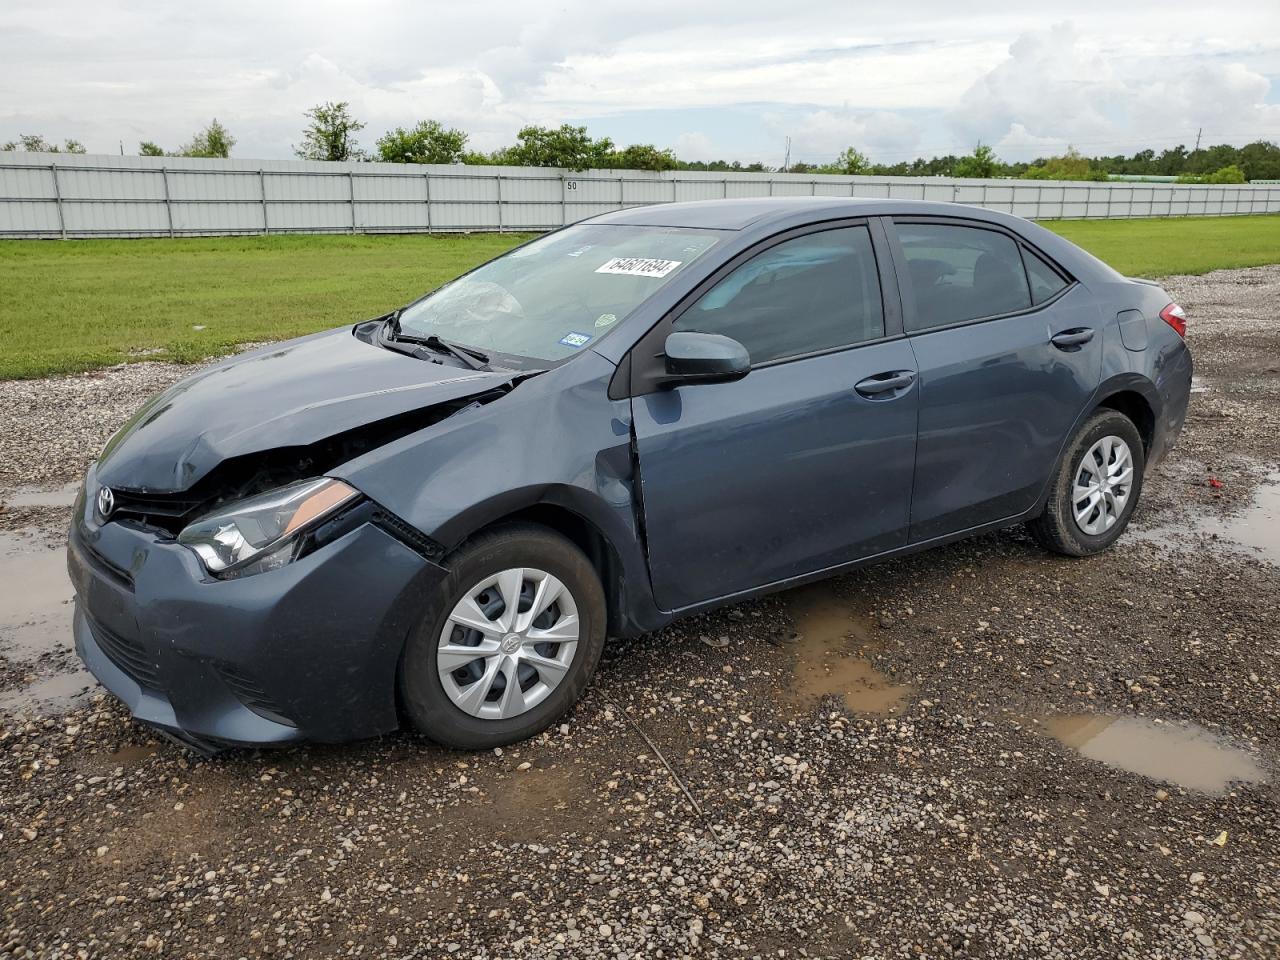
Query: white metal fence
{"x": 61, "y": 195}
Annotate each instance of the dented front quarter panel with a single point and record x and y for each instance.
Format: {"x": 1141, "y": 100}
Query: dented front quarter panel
{"x": 556, "y": 439}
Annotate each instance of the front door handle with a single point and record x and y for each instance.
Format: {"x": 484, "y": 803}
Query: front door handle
{"x": 1072, "y": 339}
{"x": 884, "y": 386}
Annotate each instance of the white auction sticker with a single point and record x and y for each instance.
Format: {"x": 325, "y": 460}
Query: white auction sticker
{"x": 639, "y": 266}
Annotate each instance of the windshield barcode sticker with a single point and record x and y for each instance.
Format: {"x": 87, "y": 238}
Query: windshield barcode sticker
{"x": 639, "y": 266}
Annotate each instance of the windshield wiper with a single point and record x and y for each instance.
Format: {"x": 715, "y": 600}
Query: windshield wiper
{"x": 471, "y": 357}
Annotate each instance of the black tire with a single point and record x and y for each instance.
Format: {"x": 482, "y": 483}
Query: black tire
{"x": 1056, "y": 529}
{"x": 429, "y": 708}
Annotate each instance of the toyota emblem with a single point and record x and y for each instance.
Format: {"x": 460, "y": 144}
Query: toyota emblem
{"x": 106, "y": 502}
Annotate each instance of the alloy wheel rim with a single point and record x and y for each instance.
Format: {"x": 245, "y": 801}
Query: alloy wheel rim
{"x": 508, "y": 643}
{"x": 1103, "y": 484}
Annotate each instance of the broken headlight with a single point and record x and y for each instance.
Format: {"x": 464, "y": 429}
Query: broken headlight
{"x": 262, "y": 532}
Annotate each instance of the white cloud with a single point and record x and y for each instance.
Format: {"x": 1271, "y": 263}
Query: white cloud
{"x": 822, "y": 134}
{"x": 931, "y": 78}
{"x": 863, "y": 71}
{"x": 1059, "y": 87}
{"x": 695, "y": 146}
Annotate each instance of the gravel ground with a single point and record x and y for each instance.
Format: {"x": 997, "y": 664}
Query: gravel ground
{"x": 949, "y": 824}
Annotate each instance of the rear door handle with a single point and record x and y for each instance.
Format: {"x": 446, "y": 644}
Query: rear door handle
{"x": 884, "y": 386}
{"x": 1068, "y": 339}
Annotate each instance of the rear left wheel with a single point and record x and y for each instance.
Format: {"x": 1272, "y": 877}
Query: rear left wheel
{"x": 511, "y": 640}
{"x": 1095, "y": 489}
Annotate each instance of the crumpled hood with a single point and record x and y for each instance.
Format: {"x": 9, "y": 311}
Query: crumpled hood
{"x": 287, "y": 395}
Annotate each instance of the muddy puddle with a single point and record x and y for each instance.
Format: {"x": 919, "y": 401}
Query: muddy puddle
{"x": 124, "y": 758}
{"x": 29, "y": 497}
{"x": 830, "y": 652}
{"x": 49, "y": 696}
{"x": 130, "y": 755}
{"x": 1255, "y": 529}
{"x": 1186, "y": 755}
{"x": 35, "y": 627}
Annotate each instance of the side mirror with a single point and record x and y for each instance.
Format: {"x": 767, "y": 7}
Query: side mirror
{"x": 704, "y": 358}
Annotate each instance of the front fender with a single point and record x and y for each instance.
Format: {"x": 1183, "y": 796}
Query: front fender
{"x": 555, "y": 439}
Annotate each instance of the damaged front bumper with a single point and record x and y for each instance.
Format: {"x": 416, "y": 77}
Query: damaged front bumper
{"x": 305, "y": 652}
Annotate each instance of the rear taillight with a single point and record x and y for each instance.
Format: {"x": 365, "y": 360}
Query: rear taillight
{"x": 1175, "y": 317}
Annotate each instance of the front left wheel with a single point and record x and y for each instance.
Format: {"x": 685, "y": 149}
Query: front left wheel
{"x": 512, "y": 638}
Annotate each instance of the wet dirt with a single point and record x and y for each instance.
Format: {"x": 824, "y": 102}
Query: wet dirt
{"x": 831, "y": 654}
{"x": 41, "y": 497}
{"x": 120, "y": 760}
{"x": 536, "y": 803}
{"x": 49, "y": 696}
{"x": 36, "y": 601}
{"x": 1186, "y": 755}
{"x": 130, "y": 754}
{"x": 35, "y": 628}
{"x": 1255, "y": 529}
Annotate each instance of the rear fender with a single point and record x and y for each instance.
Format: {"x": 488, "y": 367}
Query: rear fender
{"x": 1128, "y": 382}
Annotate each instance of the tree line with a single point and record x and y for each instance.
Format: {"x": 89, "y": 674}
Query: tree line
{"x": 1224, "y": 163}
{"x": 331, "y": 133}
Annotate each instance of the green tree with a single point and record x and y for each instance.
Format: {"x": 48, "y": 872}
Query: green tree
{"x": 933, "y": 167}
{"x": 1072, "y": 165}
{"x": 851, "y": 162}
{"x": 721, "y": 166}
{"x": 427, "y": 142}
{"x": 331, "y": 133}
{"x": 1171, "y": 162}
{"x": 215, "y": 140}
{"x": 1228, "y": 174}
{"x": 1212, "y": 158}
{"x": 148, "y": 149}
{"x": 1260, "y": 160}
{"x": 34, "y": 143}
{"x": 643, "y": 156}
{"x": 981, "y": 164}
{"x": 565, "y": 146}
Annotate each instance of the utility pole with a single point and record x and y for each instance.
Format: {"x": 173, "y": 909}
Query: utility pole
{"x": 1199, "y": 131}
{"x": 786, "y": 159}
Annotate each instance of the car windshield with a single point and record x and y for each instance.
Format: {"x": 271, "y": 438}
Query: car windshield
{"x": 551, "y": 298}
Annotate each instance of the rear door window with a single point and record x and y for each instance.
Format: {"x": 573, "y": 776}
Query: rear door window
{"x": 961, "y": 273}
{"x": 1045, "y": 280}
{"x": 813, "y": 293}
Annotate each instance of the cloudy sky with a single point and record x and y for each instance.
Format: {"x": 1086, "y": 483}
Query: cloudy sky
{"x": 710, "y": 79}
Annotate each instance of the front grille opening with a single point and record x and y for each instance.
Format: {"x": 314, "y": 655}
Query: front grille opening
{"x": 129, "y": 655}
{"x": 249, "y": 693}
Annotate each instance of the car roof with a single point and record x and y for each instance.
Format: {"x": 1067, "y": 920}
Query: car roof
{"x": 757, "y": 217}
{"x": 726, "y": 214}
{"x": 757, "y": 211}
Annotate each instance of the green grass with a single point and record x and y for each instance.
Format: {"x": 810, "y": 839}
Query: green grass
{"x": 80, "y": 304}
{"x": 67, "y": 307}
{"x": 1160, "y": 248}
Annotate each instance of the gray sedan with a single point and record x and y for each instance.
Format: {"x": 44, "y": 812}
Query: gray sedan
{"x": 436, "y": 517}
